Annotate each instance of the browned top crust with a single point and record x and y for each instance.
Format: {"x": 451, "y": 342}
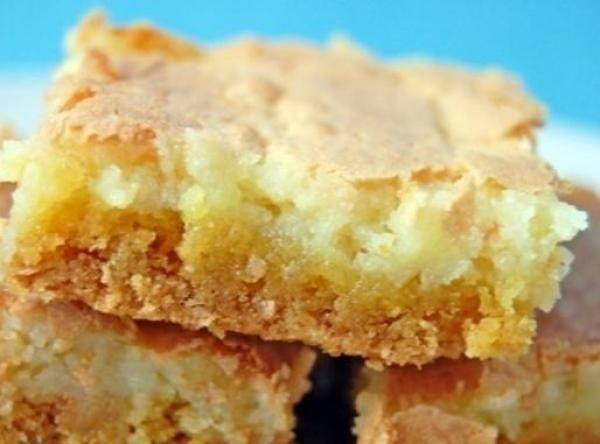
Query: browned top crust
{"x": 324, "y": 108}
{"x": 141, "y": 38}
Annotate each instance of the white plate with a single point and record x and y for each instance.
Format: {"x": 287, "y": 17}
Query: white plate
{"x": 572, "y": 149}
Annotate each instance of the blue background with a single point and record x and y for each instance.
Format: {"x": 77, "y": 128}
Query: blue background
{"x": 553, "y": 45}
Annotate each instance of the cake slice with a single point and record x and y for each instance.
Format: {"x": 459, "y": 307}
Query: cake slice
{"x": 396, "y": 212}
{"x": 70, "y": 375}
{"x": 550, "y": 395}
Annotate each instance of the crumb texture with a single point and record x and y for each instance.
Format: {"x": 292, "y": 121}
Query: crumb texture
{"x": 73, "y": 376}
{"x": 331, "y": 198}
{"x": 550, "y": 395}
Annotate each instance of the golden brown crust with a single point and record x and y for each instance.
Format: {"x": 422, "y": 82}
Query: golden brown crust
{"x": 141, "y": 38}
{"x": 322, "y": 108}
{"x": 485, "y": 105}
{"x": 409, "y": 338}
{"x": 564, "y": 357}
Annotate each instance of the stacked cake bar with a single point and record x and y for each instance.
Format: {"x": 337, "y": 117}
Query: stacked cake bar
{"x": 73, "y": 375}
{"x": 550, "y": 395}
{"x": 180, "y": 207}
{"x": 69, "y": 374}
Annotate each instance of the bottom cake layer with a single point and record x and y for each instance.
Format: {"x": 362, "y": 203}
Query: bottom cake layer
{"x": 552, "y": 395}
{"x": 71, "y": 375}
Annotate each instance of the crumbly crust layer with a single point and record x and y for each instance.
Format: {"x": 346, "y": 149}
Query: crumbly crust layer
{"x": 168, "y": 296}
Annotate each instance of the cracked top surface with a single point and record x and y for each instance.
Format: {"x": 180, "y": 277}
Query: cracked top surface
{"x": 326, "y": 108}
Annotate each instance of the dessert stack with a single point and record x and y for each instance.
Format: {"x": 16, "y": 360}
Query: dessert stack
{"x": 74, "y": 375}
{"x": 549, "y": 395}
{"x": 187, "y": 221}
